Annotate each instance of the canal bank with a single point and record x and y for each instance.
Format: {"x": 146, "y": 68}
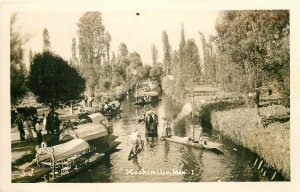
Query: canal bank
{"x": 226, "y": 113}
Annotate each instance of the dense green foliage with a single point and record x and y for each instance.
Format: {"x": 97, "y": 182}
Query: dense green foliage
{"x": 53, "y": 81}
{"x": 18, "y": 70}
{"x": 209, "y": 62}
{"x": 93, "y": 48}
{"x": 191, "y": 68}
{"x": 257, "y": 44}
{"x": 183, "y": 64}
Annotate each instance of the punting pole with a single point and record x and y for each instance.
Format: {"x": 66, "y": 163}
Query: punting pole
{"x": 260, "y": 164}
{"x": 273, "y": 176}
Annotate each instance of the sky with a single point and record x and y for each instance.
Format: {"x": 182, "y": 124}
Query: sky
{"x": 138, "y": 32}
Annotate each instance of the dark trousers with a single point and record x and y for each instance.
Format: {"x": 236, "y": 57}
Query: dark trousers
{"x": 39, "y": 137}
{"x": 22, "y": 134}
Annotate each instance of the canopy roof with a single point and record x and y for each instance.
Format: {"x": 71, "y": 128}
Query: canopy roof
{"x": 90, "y": 131}
{"x": 117, "y": 104}
{"x": 65, "y": 150}
{"x": 147, "y": 93}
{"x": 96, "y": 117}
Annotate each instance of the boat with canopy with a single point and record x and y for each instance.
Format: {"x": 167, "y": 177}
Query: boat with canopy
{"x": 146, "y": 97}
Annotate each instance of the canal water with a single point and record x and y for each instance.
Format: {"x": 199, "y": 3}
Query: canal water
{"x": 164, "y": 161}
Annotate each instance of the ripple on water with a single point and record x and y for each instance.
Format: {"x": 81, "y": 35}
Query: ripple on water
{"x": 166, "y": 156}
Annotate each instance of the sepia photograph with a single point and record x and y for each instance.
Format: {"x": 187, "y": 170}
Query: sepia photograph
{"x": 149, "y": 96}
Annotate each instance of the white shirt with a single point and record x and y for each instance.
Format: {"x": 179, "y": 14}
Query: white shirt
{"x": 134, "y": 137}
{"x": 44, "y": 121}
{"x": 38, "y": 127}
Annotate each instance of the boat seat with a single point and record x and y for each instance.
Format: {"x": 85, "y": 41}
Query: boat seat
{"x": 66, "y": 166}
{"x": 56, "y": 173}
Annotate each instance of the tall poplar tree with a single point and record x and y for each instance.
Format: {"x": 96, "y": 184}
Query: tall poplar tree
{"x": 46, "y": 40}
{"x": 167, "y": 53}
{"x": 154, "y": 54}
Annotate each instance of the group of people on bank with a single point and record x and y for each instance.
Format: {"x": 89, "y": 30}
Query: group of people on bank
{"x": 88, "y": 100}
{"x": 28, "y": 124}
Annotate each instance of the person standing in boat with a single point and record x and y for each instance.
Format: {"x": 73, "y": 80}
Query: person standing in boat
{"x": 135, "y": 140}
{"x": 200, "y": 134}
{"x": 151, "y": 122}
{"x": 166, "y": 127}
{"x": 106, "y": 107}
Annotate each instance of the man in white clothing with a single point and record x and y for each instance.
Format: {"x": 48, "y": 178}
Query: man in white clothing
{"x": 135, "y": 140}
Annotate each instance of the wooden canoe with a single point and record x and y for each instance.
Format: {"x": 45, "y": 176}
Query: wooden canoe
{"x": 203, "y": 144}
{"x": 140, "y": 149}
{"x": 147, "y": 102}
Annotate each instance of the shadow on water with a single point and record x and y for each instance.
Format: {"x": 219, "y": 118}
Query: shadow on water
{"x": 192, "y": 164}
{"x": 235, "y": 164}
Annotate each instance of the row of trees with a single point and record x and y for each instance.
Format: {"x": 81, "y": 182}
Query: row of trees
{"x": 249, "y": 54}
{"x": 184, "y": 64}
{"x": 18, "y": 71}
{"x": 256, "y": 46}
{"x": 99, "y": 69}
{"x": 52, "y": 80}
{"x": 250, "y": 45}
{"x": 94, "y": 64}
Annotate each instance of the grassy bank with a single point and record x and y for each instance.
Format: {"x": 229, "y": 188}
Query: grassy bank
{"x": 228, "y": 114}
{"x": 271, "y": 143}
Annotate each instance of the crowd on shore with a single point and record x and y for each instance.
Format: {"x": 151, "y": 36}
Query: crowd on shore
{"x": 47, "y": 124}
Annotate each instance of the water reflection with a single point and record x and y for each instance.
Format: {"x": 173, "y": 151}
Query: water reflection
{"x": 168, "y": 156}
{"x": 166, "y": 151}
{"x": 192, "y": 165}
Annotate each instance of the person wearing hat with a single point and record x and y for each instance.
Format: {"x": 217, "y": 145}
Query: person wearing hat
{"x": 135, "y": 140}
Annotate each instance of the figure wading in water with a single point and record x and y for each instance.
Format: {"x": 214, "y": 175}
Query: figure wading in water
{"x": 151, "y": 122}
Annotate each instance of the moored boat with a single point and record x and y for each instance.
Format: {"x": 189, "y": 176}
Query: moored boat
{"x": 146, "y": 97}
{"x": 112, "y": 109}
{"x": 59, "y": 162}
{"x": 80, "y": 147}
